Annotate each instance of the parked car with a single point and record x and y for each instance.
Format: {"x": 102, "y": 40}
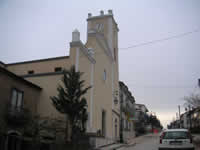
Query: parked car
{"x": 179, "y": 139}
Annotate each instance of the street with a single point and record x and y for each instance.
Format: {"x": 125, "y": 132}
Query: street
{"x": 147, "y": 142}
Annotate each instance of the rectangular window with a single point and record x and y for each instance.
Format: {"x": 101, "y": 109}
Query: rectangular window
{"x": 58, "y": 69}
{"x": 31, "y": 72}
{"x": 17, "y": 98}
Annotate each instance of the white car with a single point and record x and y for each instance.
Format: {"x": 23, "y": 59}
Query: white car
{"x": 176, "y": 139}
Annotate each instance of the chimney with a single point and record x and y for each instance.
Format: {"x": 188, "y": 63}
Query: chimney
{"x": 110, "y": 12}
{"x": 75, "y": 36}
{"x": 101, "y": 13}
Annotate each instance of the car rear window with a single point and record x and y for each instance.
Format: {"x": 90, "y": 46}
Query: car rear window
{"x": 176, "y": 135}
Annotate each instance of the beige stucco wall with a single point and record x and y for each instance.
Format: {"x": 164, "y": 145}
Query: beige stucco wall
{"x": 84, "y": 66}
{"x": 104, "y": 93}
{"x": 49, "y": 86}
{"x": 39, "y": 66}
{"x": 102, "y": 88}
{"x": 48, "y": 83}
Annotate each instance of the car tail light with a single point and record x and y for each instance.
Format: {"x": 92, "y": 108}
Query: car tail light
{"x": 163, "y": 134}
{"x": 161, "y": 137}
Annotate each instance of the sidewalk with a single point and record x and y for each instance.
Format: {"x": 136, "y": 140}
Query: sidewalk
{"x": 139, "y": 139}
{"x": 112, "y": 146}
{"x": 131, "y": 142}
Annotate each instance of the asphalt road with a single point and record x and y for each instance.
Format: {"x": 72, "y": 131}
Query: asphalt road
{"x": 147, "y": 142}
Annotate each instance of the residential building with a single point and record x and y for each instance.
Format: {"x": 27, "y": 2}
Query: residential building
{"x": 195, "y": 118}
{"x": 184, "y": 121}
{"x": 141, "y": 108}
{"x": 19, "y": 99}
{"x": 127, "y": 113}
{"x": 141, "y": 116}
{"x": 98, "y": 59}
{"x": 189, "y": 120}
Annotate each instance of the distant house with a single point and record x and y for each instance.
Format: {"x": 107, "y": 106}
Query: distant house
{"x": 141, "y": 118}
{"x": 189, "y": 120}
{"x": 140, "y": 112}
{"x": 141, "y": 107}
{"x": 195, "y": 118}
{"x": 127, "y": 112}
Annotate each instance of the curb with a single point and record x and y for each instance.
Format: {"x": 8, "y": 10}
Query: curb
{"x": 118, "y": 147}
{"x": 129, "y": 145}
{"x": 123, "y": 145}
{"x": 114, "y": 148}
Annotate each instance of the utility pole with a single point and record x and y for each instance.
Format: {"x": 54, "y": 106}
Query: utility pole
{"x": 179, "y": 116}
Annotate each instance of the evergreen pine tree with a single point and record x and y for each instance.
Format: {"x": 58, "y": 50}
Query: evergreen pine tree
{"x": 70, "y": 100}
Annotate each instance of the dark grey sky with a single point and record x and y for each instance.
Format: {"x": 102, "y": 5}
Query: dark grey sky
{"x": 159, "y": 75}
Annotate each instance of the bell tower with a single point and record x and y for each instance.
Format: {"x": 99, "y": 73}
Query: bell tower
{"x": 102, "y": 36}
{"x": 105, "y": 26}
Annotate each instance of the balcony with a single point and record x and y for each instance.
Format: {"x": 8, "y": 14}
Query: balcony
{"x": 17, "y": 116}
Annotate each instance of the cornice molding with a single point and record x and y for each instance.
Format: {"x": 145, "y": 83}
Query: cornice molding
{"x": 42, "y": 74}
{"x": 39, "y": 60}
{"x": 84, "y": 49}
{"x": 102, "y": 43}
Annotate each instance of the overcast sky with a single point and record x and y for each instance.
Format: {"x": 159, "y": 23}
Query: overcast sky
{"x": 159, "y": 75}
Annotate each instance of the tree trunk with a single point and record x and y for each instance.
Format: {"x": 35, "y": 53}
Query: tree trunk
{"x": 68, "y": 130}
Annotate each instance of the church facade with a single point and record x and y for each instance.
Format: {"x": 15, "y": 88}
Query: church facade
{"x": 98, "y": 60}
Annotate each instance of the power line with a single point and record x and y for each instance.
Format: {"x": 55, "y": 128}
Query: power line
{"x": 161, "y": 86}
{"x": 161, "y": 40}
{"x": 155, "y": 41}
